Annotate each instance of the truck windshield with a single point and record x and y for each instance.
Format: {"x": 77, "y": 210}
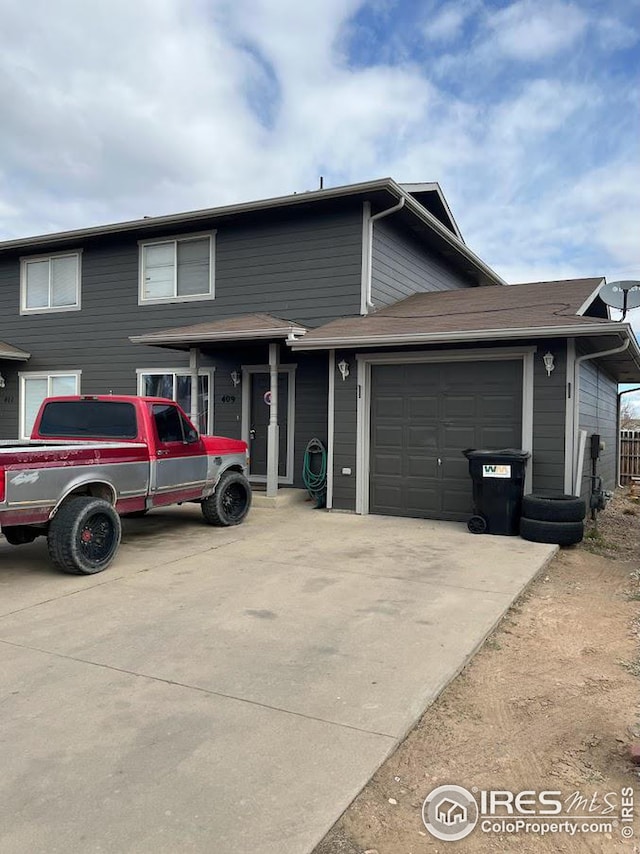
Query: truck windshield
{"x": 99, "y": 419}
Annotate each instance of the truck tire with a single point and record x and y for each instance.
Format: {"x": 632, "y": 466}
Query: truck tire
{"x": 84, "y": 535}
{"x": 560, "y": 533}
{"x": 554, "y": 508}
{"x": 231, "y": 501}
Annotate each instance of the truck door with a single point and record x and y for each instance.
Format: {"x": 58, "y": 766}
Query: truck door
{"x": 180, "y": 461}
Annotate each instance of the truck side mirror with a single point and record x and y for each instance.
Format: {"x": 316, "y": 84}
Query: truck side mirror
{"x": 192, "y": 436}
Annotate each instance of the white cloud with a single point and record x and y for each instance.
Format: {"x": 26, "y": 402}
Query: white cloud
{"x": 448, "y": 22}
{"x": 117, "y": 110}
{"x": 531, "y": 30}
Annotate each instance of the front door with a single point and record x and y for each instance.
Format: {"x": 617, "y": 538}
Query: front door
{"x": 259, "y": 421}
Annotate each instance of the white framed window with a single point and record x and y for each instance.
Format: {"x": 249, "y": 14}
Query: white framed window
{"x": 177, "y": 269}
{"x": 34, "y": 387}
{"x": 50, "y": 283}
{"x": 175, "y": 384}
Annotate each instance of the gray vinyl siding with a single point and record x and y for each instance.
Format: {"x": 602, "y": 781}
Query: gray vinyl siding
{"x": 598, "y": 414}
{"x": 303, "y": 268}
{"x": 549, "y": 414}
{"x": 548, "y": 424}
{"x": 401, "y": 266}
{"x": 344, "y": 440}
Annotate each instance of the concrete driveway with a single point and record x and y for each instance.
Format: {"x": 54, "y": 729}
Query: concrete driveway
{"x": 230, "y": 691}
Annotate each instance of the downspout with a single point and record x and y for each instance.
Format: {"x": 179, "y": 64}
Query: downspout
{"x": 577, "y": 474}
{"x": 368, "y": 251}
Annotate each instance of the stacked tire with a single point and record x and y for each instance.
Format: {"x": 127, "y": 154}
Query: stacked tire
{"x": 553, "y": 518}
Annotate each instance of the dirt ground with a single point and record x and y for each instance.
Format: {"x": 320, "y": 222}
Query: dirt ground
{"x": 549, "y": 702}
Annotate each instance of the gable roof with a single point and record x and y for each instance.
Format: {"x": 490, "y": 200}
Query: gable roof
{"x": 536, "y": 308}
{"x": 430, "y": 196}
{"x": 383, "y": 192}
{"x": 245, "y": 327}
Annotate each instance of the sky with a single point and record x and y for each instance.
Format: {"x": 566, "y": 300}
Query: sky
{"x": 526, "y": 112}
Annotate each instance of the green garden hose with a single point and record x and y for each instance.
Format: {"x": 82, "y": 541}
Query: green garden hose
{"x": 314, "y": 471}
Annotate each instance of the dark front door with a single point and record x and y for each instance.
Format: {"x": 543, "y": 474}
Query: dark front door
{"x": 422, "y": 417}
{"x": 259, "y": 421}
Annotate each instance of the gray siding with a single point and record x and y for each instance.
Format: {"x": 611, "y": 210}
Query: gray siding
{"x": 548, "y": 424}
{"x": 549, "y": 413}
{"x": 401, "y": 266}
{"x": 344, "y": 454}
{"x": 598, "y": 414}
{"x": 305, "y": 268}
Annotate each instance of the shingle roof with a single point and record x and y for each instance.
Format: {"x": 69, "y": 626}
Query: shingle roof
{"x": 242, "y": 327}
{"x": 516, "y": 307}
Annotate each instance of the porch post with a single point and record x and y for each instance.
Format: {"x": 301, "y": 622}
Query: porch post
{"x": 194, "y": 370}
{"x": 273, "y": 439}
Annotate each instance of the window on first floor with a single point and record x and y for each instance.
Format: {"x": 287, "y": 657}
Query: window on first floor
{"x": 177, "y": 269}
{"x": 50, "y": 283}
{"x": 35, "y": 387}
{"x": 176, "y": 385}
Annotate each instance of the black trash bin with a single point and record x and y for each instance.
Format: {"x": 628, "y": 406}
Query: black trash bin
{"x": 498, "y": 487}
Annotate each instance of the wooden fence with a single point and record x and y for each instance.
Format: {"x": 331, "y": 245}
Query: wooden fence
{"x": 629, "y": 455}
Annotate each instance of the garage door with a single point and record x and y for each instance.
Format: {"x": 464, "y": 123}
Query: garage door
{"x": 422, "y": 417}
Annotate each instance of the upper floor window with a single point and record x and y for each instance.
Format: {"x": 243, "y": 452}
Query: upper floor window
{"x": 177, "y": 269}
{"x": 50, "y": 283}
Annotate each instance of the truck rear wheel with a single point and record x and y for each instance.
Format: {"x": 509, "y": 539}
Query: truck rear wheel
{"x": 231, "y": 501}
{"x": 84, "y": 535}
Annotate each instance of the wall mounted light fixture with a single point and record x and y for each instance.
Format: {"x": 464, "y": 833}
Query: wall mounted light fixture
{"x": 235, "y": 378}
{"x": 2, "y": 381}
{"x": 343, "y": 367}
{"x": 548, "y": 360}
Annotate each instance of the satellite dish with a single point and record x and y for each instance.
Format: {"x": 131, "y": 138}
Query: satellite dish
{"x": 621, "y": 295}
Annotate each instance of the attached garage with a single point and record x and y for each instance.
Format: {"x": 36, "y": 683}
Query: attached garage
{"x": 422, "y": 417}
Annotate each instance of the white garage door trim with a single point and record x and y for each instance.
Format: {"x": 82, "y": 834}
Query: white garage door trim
{"x": 363, "y": 436}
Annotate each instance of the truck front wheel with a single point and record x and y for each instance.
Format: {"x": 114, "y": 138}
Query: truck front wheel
{"x": 230, "y": 503}
{"x": 84, "y": 535}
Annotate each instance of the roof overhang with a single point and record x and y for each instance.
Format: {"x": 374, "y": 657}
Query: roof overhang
{"x": 7, "y": 352}
{"x": 178, "y": 341}
{"x": 453, "y": 337}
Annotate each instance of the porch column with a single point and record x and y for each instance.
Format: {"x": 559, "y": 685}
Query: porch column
{"x": 273, "y": 439}
{"x": 194, "y": 370}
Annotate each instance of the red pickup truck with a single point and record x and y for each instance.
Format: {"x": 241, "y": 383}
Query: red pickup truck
{"x": 92, "y": 459}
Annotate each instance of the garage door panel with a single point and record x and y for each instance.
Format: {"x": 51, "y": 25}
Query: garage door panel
{"x": 386, "y": 496}
{"x": 389, "y": 464}
{"x": 457, "y": 502}
{"x": 458, "y": 406}
{"x": 459, "y": 436}
{"x": 425, "y": 406}
{"x": 388, "y": 435}
{"x": 497, "y": 406}
{"x": 422, "y": 436}
{"x": 420, "y": 497}
{"x": 424, "y": 412}
{"x": 420, "y": 465}
{"x": 389, "y": 406}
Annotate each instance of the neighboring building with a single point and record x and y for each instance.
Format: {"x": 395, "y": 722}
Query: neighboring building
{"x": 391, "y": 341}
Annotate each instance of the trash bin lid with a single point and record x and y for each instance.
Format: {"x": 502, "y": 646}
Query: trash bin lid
{"x": 503, "y": 454}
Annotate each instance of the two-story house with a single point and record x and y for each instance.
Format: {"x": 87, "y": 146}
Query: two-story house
{"x": 354, "y": 314}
